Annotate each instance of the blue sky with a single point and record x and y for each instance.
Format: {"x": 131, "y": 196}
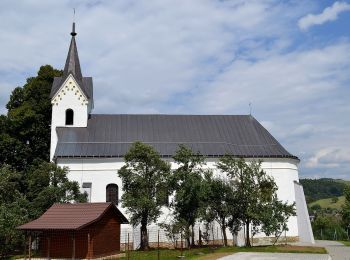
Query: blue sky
{"x": 290, "y": 59}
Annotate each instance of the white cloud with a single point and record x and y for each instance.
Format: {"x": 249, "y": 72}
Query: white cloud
{"x": 197, "y": 57}
{"x": 279, "y": 80}
{"x": 329, "y": 14}
{"x": 330, "y": 157}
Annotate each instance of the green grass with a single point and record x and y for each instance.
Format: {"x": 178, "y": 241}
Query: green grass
{"x": 347, "y": 182}
{"x": 346, "y": 243}
{"x": 206, "y": 253}
{"x": 327, "y": 203}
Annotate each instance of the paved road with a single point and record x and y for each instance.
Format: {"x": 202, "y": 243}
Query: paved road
{"x": 336, "y": 250}
{"x": 275, "y": 256}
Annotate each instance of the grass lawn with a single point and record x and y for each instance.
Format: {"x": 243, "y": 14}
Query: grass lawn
{"x": 327, "y": 203}
{"x": 346, "y": 243}
{"x": 214, "y": 253}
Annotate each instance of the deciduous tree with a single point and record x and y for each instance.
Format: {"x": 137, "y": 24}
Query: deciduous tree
{"x": 48, "y": 184}
{"x": 13, "y": 211}
{"x": 220, "y": 202}
{"x": 275, "y": 216}
{"x": 25, "y": 130}
{"x": 187, "y": 182}
{"x": 253, "y": 187}
{"x": 145, "y": 179}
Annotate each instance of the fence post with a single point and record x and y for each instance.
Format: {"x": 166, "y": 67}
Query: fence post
{"x": 125, "y": 242}
{"x": 212, "y": 232}
{"x": 181, "y": 243}
{"x": 217, "y": 233}
{"x": 128, "y": 253}
{"x": 158, "y": 246}
{"x": 30, "y": 246}
{"x": 285, "y": 236}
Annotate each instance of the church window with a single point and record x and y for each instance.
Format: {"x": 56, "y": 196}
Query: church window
{"x": 112, "y": 193}
{"x": 87, "y": 190}
{"x": 69, "y": 117}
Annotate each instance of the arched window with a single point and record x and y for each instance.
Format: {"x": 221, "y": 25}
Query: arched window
{"x": 112, "y": 193}
{"x": 69, "y": 117}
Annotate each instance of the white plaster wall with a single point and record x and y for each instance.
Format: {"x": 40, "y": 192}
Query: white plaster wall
{"x": 68, "y": 96}
{"x": 304, "y": 225}
{"x": 102, "y": 171}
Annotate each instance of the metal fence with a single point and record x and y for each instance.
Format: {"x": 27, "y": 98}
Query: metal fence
{"x": 331, "y": 234}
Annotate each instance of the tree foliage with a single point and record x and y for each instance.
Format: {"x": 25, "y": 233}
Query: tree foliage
{"x": 346, "y": 207}
{"x": 187, "y": 182}
{"x": 49, "y": 184}
{"x": 275, "y": 217}
{"x": 220, "y": 202}
{"x": 28, "y": 184}
{"x": 255, "y": 193}
{"x": 45, "y": 185}
{"x": 145, "y": 184}
{"x": 25, "y": 130}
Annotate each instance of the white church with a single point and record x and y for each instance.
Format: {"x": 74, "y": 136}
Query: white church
{"x": 92, "y": 146}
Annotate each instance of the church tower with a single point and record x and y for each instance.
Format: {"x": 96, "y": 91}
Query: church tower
{"x": 71, "y": 95}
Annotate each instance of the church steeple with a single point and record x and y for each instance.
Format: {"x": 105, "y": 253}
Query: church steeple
{"x": 71, "y": 96}
{"x": 72, "y": 65}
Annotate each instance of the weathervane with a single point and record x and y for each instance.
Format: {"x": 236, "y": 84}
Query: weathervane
{"x": 250, "y": 108}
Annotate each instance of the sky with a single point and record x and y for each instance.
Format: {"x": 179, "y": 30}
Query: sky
{"x": 289, "y": 59}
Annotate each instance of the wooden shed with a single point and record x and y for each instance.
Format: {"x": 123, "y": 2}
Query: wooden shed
{"x": 83, "y": 230}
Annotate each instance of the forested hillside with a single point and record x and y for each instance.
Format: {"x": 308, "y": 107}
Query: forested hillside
{"x": 316, "y": 189}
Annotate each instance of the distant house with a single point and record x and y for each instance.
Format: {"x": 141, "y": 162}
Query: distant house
{"x": 83, "y": 230}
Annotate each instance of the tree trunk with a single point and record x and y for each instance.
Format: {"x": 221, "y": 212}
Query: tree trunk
{"x": 192, "y": 235}
{"x": 144, "y": 237}
{"x": 188, "y": 237}
{"x": 247, "y": 242}
{"x": 223, "y": 228}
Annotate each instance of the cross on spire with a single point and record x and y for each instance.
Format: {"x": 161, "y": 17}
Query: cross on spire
{"x": 73, "y": 33}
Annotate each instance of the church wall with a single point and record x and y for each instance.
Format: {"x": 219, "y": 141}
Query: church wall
{"x": 103, "y": 171}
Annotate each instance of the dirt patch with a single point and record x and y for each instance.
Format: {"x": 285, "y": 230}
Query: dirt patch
{"x": 306, "y": 249}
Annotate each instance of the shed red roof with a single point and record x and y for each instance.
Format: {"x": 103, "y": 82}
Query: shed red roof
{"x": 72, "y": 216}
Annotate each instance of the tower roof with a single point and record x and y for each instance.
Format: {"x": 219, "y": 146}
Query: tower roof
{"x": 72, "y": 65}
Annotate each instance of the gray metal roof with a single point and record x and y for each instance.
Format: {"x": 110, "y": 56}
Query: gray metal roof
{"x": 211, "y": 135}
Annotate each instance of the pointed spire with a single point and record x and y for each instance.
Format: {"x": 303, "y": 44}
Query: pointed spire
{"x": 72, "y": 63}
